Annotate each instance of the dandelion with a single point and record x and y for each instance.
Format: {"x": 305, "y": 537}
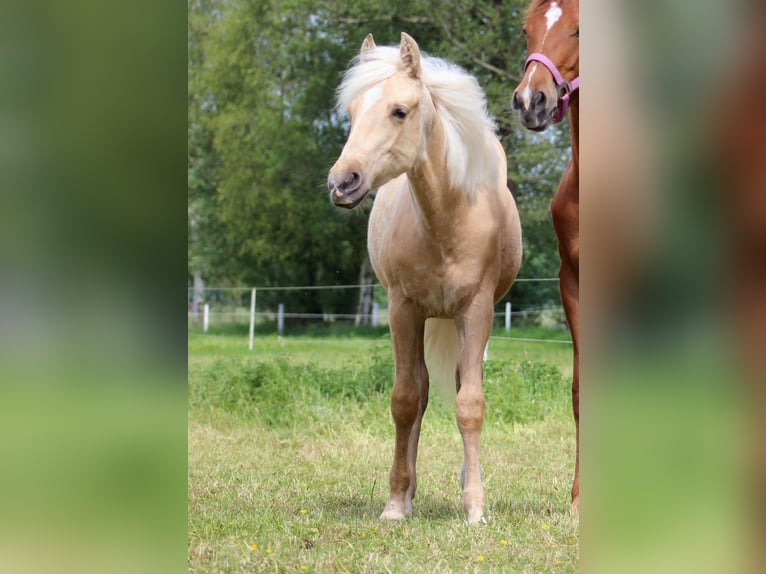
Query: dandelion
{"x": 570, "y": 541}
{"x": 480, "y": 558}
{"x": 557, "y": 563}
{"x": 303, "y": 511}
{"x": 503, "y": 542}
{"x": 544, "y": 527}
{"x": 253, "y": 547}
{"x": 268, "y": 551}
{"x": 304, "y": 567}
{"x": 364, "y": 535}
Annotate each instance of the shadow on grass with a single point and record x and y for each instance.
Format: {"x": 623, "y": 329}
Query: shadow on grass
{"x": 362, "y": 508}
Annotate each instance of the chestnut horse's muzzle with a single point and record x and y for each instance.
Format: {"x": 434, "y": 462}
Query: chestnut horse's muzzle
{"x": 536, "y": 116}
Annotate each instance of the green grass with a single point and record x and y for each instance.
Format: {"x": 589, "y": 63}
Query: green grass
{"x": 290, "y": 448}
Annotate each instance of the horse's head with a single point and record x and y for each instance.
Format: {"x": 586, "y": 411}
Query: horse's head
{"x": 552, "y": 71}
{"x": 388, "y": 109}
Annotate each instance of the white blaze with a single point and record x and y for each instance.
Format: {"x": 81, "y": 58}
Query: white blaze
{"x": 552, "y": 15}
{"x": 526, "y": 93}
{"x": 371, "y": 96}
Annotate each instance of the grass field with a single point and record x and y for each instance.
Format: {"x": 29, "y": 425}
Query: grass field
{"x": 290, "y": 448}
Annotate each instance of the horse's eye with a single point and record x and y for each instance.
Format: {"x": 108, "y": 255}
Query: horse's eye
{"x": 399, "y": 113}
{"x": 524, "y": 32}
{"x": 577, "y": 33}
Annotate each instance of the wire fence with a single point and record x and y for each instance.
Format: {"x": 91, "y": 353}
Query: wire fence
{"x": 258, "y": 307}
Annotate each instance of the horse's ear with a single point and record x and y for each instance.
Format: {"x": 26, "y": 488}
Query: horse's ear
{"x": 368, "y": 44}
{"x": 410, "y": 54}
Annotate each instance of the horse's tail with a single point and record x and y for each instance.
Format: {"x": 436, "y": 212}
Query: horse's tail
{"x": 441, "y": 349}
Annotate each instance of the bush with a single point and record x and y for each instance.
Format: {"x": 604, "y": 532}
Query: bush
{"x": 280, "y": 393}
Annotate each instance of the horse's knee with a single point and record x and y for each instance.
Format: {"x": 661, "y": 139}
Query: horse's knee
{"x": 470, "y": 408}
{"x": 405, "y": 403}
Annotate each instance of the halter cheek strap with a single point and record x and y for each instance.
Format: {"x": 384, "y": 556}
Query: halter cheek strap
{"x": 564, "y": 88}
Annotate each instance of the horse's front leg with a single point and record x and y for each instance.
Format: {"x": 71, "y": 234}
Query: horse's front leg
{"x": 569, "y": 286}
{"x": 565, "y": 213}
{"x": 474, "y": 327}
{"x": 409, "y": 398}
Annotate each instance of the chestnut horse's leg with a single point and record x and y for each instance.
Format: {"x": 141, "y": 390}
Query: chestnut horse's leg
{"x": 569, "y": 286}
{"x": 407, "y": 325}
{"x": 565, "y": 210}
{"x": 474, "y": 327}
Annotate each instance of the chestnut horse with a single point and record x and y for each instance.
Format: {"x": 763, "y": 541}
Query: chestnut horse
{"x": 444, "y": 237}
{"x": 550, "y": 87}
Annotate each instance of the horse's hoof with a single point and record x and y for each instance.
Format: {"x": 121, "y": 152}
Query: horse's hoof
{"x": 476, "y": 517}
{"x": 393, "y": 513}
{"x": 573, "y": 510}
{"x": 392, "y": 516}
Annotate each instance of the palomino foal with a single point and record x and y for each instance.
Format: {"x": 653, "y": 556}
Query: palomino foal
{"x": 444, "y": 237}
{"x": 549, "y": 87}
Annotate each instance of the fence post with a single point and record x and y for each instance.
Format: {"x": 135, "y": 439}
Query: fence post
{"x": 375, "y": 314}
{"x": 252, "y": 317}
{"x": 281, "y": 318}
{"x": 205, "y": 317}
{"x": 508, "y": 316}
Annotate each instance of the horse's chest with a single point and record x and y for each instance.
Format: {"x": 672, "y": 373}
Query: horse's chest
{"x": 440, "y": 289}
{"x": 437, "y": 272}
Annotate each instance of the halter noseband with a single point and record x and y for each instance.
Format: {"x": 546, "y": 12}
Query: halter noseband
{"x": 564, "y": 88}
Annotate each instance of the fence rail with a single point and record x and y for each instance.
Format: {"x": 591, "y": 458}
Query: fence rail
{"x": 315, "y": 287}
{"x": 198, "y": 309}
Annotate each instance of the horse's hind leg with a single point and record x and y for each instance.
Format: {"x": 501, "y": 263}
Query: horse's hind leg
{"x": 407, "y": 405}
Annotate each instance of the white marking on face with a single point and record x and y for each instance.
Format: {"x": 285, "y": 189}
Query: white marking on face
{"x": 371, "y": 97}
{"x": 551, "y": 17}
{"x": 526, "y": 93}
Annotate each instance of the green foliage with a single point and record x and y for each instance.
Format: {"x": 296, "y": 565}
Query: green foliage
{"x": 524, "y": 392}
{"x": 272, "y": 391}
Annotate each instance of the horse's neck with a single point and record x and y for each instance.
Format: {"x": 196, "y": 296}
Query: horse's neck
{"x": 574, "y": 130}
{"x": 434, "y": 199}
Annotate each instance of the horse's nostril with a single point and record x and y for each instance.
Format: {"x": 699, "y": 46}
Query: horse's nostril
{"x": 353, "y": 180}
{"x": 540, "y": 99}
{"x": 515, "y": 101}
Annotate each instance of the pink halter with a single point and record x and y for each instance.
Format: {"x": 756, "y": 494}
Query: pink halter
{"x": 564, "y": 88}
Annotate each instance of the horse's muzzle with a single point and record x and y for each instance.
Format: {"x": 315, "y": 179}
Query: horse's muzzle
{"x": 347, "y": 193}
{"x": 536, "y": 116}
